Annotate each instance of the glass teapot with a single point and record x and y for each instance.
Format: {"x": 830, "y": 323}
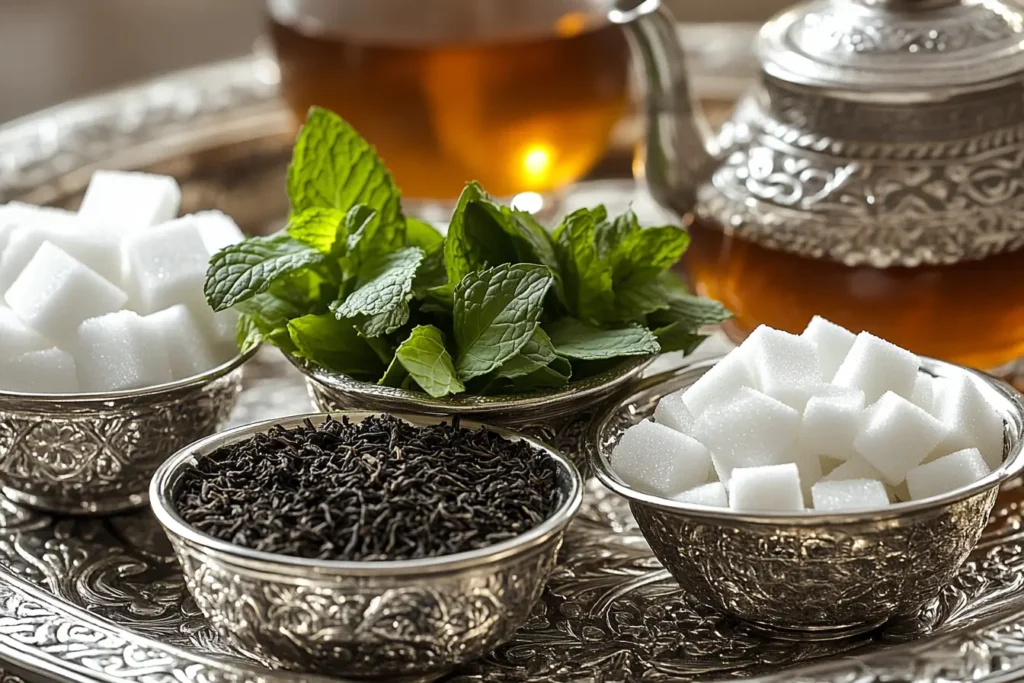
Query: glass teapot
{"x": 872, "y": 175}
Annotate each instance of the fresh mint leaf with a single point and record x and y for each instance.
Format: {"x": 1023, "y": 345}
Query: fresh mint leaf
{"x": 696, "y": 312}
{"x": 475, "y": 241}
{"x": 383, "y": 323}
{"x": 384, "y": 349}
{"x": 637, "y": 298}
{"x": 247, "y": 333}
{"x": 427, "y": 361}
{"x": 678, "y": 337}
{"x": 553, "y": 376}
{"x": 318, "y": 228}
{"x": 646, "y": 253}
{"x": 495, "y": 314}
{"x": 395, "y": 375}
{"x": 422, "y": 234}
{"x": 334, "y": 344}
{"x": 334, "y": 167}
{"x": 537, "y": 353}
{"x": 359, "y": 227}
{"x": 243, "y": 270}
{"x": 586, "y": 277}
{"x": 575, "y": 339}
{"x": 610, "y": 235}
{"x": 384, "y": 283}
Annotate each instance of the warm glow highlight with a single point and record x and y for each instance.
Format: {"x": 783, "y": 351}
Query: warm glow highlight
{"x": 537, "y": 162}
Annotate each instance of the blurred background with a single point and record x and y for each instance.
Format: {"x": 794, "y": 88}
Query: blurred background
{"x": 54, "y": 50}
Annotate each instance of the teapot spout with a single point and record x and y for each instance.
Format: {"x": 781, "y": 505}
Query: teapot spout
{"x": 678, "y": 144}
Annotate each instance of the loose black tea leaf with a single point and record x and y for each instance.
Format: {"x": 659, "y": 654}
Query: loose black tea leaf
{"x": 380, "y": 489}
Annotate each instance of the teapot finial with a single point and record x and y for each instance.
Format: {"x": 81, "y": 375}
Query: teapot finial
{"x": 679, "y": 146}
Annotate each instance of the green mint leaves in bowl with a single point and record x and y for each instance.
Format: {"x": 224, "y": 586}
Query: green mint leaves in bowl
{"x": 499, "y": 305}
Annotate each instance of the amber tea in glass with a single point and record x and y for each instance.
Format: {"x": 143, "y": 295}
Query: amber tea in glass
{"x": 520, "y": 95}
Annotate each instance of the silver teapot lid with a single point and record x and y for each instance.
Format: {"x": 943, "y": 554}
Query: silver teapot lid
{"x": 882, "y": 47}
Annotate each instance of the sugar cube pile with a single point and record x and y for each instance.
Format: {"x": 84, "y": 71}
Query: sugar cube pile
{"x": 827, "y": 420}
{"x": 110, "y": 297}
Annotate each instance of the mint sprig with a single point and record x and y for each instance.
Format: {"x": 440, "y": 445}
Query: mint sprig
{"x": 498, "y": 305}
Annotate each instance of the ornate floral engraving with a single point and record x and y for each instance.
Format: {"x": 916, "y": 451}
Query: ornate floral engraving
{"x": 100, "y": 455}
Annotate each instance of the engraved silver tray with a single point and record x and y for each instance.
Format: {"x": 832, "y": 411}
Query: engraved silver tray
{"x": 103, "y": 599}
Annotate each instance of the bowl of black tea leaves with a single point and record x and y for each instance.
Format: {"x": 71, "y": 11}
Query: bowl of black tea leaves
{"x": 376, "y": 545}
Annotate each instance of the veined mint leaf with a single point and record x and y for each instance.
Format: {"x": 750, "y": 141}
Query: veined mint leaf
{"x": 474, "y": 241}
{"x": 575, "y": 339}
{"x": 637, "y": 298}
{"x": 586, "y": 277}
{"x": 427, "y": 361}
{"x": 495, "y": 314}
{"x": 537, "y": 353}
{"x": 610, "y": 235}
{"x": 395, "y": 375}
{"x": 696, "y": 312}
{"x": 334, "y": 167}
{"x": 422, "y": 234}
{"x": 383, "y": 323}
{"x": 243, "y": 270}
{"x": 359, "y": 226}
{"x": 384, "y": 283}
{"x": 648, "y": 252}
{"x": 318, "y": 228}
{"x": 678, "y": 337}
{"x": 247, "y": 334}
{"x": 334, "y": 344}
{"x": 553, "y": 376}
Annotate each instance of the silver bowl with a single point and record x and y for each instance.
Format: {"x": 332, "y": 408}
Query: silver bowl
{"x": 95, "y": 453}
{"x": 559, "y": 417}
{"x": 808, "y": 575}
{"x": 414, "y": 618}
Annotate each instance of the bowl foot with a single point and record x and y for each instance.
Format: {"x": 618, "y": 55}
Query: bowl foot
{"x": 813, "y": 633}
{"x": 63, "y": 506}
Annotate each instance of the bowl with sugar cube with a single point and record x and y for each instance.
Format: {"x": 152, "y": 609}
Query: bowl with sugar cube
{"x": 110, "y": 359}
{"x": 815, "y": 485}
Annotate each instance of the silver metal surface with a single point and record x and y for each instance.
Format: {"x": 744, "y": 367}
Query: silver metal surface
{"x": 819, "y": 575}
{"x": 104, "y": 599}
{"x": 878, "y": 133}
{"x": 559, "y": 418}
{"x": 95, "y": 453}
{"x": 369, "y": 619}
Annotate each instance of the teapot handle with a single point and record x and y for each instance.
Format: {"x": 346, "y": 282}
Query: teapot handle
{"x": 678, "y": 144}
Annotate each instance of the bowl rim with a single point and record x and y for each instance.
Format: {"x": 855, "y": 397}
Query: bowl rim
{"x": 131, "y": 394}
{"x": 168, "y": 472}
{"x": 1011, "y": 467}
{"x": 605, "y": 381}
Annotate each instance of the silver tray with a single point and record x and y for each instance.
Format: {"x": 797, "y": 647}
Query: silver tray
{"x": 103, "y": 600}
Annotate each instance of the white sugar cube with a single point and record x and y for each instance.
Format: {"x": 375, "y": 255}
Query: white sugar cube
{"x": 16, "y": 338}
{"x": 751, "y": 430}
{"x": 218, "y": 230}
{"x": 854, "y": 468}
{"x": 45, "y": 371}
{"x": 165, "y": 266}
{"x": 784, "y": 366}
{"x": 719, "y": 384}
{"x": 712, "y": 495}
{"x": 119, "y": 351}
{"x": 219, "y": 328}
{"x": 20, "y": 214}
{"x": 772, "y": 488}
{"x": 831, "y": 343}
{"x": 896, "y": 435}
{"x": 55, "y": 293}
{"x": 96, "y": 251}
{"x": 120, "y": 201}
{"x": 946, "y": 474}
{"x": 970, "y": 419}
{"x": 831, "y": 422}
{"x": 848, "y": 495}
{"x": 923, "y": 395}
{"x": 187, "y": 348}
{"x": 875, "y": 366}
{"x": 671, "y": 411}
{"x": 654, "y": 458}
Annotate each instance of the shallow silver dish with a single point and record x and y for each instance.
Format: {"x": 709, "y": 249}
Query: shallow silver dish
{"x": 559, "y": 418}
{"x": 104, "y": 599}
{"x": 804, "y": 574}
{"x": 95, "y": 453}
{"x": 368, "y": 619}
